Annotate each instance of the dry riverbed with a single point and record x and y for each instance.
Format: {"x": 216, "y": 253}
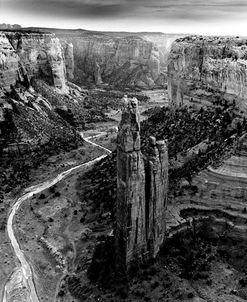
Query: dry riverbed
{"x": 48, "y": 170}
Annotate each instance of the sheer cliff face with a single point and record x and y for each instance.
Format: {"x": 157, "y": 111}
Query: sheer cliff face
{"x": 164, "y": 44}
{"x": 8, "y": 63}
{"x": 39, "y": 54}
{"x": 120, "y": 59}
{"x": 207, "y": 63}
{"x": 131, "y": 232}
{"x": 69, "y": 60}
{"x": 142, "y": 186}
{"x": 126, "y": 61}
{"x": 156, "y": 189}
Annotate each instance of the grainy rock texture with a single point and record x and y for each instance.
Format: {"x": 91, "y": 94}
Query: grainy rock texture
{"x": 129, "y": 61}
{"x": 156, "y": 188}
{"x": 131, "y": 220}
{"x": 208, "y": 64}
{"x": 225, "y": 187}
{"x": 8, "y": 63}
{"x": 142, "y": 192}
{"x": 69, "y": 60}
{"x": 120, "y": 59}
{"x": 26, "y": 55}
{"x": 164, "y": 44}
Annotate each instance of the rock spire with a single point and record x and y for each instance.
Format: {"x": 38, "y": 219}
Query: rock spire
{"x": 142, "y": 192}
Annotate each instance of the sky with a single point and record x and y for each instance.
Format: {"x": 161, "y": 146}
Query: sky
{"x": 224, "y": 17}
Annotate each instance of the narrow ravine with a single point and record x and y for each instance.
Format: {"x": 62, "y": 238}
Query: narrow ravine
{"x": 23, "y": 275}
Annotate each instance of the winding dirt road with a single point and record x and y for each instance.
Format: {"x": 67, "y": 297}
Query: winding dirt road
{"x": 22, "y": 280}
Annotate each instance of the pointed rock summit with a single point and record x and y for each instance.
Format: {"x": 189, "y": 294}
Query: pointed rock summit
{"x": 142, "y": 192}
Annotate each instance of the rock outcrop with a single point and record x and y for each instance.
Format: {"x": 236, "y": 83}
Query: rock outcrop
{"x": 31, "y": 129}
{"x": 156, "y": 190}
{"x": 8, "y": 63}
{"x": 208, "y": 64}
{"x": 163, "y": 43}
{"x": 26, "y": 55}
{"x": 131, "y": 222}
{"x": 225, "y": 187}
{"x": 142, "y": 192}
{"x": 113, "y": 58}
{"x": 69, "y": 60}
{"x": 129, "y": 61}
{"x": 120, "y": 59}
{"x": 9, "y": 26}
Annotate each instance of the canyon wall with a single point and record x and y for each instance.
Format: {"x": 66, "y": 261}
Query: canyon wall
{"x": 120, "y": 59}
{"x": 8, "y": 63}
{"x": 25, "y": 55}
{"x": 164, "y": 44}
{"x": 69, "y": 60}
{"x": 208, "y": 64}
{"x": 129, "y": 61}
{"x": 142, "y": 185}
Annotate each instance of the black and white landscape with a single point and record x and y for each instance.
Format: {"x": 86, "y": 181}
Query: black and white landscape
{"x": 123, "y": 150}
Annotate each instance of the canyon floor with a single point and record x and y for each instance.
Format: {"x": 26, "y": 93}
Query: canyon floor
{"x": 38, "y": 218}
{"x": 59, "y": 228}
{"x": 48, "y": 170}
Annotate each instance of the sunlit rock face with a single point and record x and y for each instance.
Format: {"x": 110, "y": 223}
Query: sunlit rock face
{"x": 69, "y": 60}
{"x": 210, "y": 64}
{"x": 130, "y": 61}
{"x": 8, "y": 63}
{"x": 42, "y": 56}
{"x": 131, "y": 220}
{"x": 142, "y": 184}
{"x": 163, "y": 43}
{"x": 120, "y": 61}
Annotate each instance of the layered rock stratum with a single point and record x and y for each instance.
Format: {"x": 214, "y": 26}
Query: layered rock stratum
{"x": 128, "y": 61}
{"x": 8, "y": 63}
{"x": 119, "y": 59}
{"x": 38, "y": 106}
{"x": 131, "y": 220}
{"x": 142, "y": 185}
{"x": 202, "y": 66}
{"x": 29, "y": 54}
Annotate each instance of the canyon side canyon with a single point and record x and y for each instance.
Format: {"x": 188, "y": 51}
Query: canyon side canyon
{"x": 134, "y": 60}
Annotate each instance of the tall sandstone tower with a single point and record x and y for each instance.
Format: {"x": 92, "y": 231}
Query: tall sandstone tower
{"x": 142, "y": 192}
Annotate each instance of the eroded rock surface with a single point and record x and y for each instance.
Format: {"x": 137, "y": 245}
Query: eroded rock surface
{"x": 142, "y": 192}
{"x": 26, "y": 55}
{"x": 207, "y": 65}
{"x": 156, "y": 188}
{"x": 118, "y": 59}
{"x": 69, "y": 60}
{"x": 131, "y": 220}
{"x": 42, "y": 56}
{"x": 8, "y": 63}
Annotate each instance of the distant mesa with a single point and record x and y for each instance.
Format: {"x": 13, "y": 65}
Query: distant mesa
{"x": 9, "y": 26}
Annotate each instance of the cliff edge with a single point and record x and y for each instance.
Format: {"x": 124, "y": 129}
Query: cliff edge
{"x": 202, "y": 66}
{"x": 24, "y": 55}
